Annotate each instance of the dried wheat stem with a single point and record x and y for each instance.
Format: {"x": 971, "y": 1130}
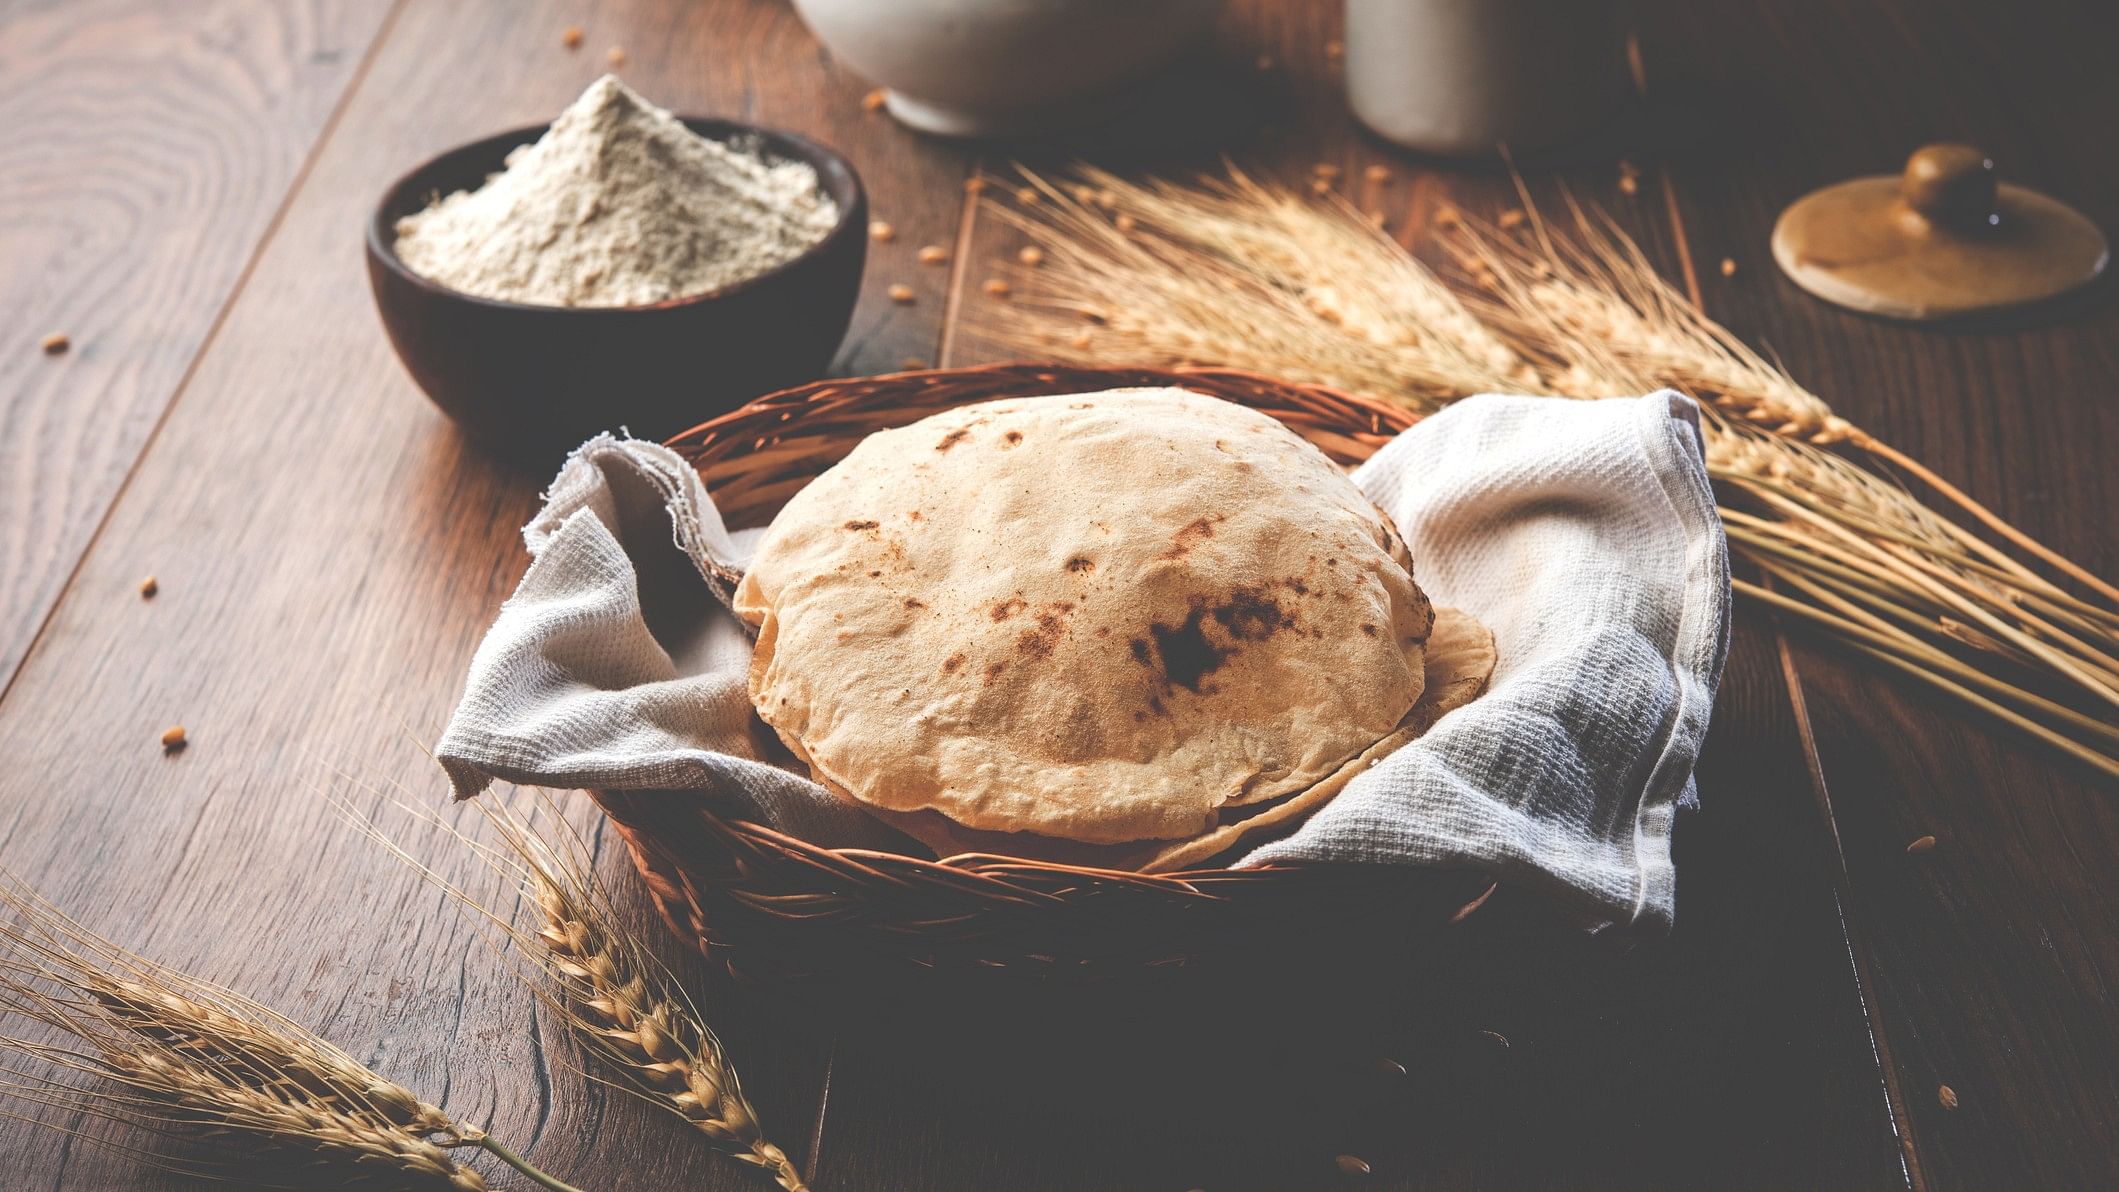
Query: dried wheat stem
{"x": 1888, "y": 636}
{"x": 1861, "y": 640}
{"x": 1922, "y": 576}
{"x": 1773, "y": 538}
{"x": 1985, "y": 516}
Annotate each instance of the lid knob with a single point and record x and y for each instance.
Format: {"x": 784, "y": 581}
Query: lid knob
{"x": 1952, "y": 186}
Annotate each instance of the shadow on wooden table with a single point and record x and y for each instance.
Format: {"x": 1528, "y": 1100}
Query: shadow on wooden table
{"x": 1527, "y": 1048}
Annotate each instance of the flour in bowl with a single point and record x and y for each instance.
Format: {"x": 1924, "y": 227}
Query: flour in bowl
{"x": 619, "y": 204}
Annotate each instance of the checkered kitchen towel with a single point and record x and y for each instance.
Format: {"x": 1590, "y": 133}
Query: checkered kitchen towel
{"x": 1582, "y": 532}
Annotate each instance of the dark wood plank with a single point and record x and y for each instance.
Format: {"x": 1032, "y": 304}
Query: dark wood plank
{"x": 1994, "y": 956}
{"x": 1734, "y": 1054}
{"x": 329, "y": 552}
{"x": 148, "y": 147}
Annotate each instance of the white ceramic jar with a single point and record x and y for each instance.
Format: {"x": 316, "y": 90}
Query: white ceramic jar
{"x": 1005, "y": 67}
{"x": 1462, "y": 77}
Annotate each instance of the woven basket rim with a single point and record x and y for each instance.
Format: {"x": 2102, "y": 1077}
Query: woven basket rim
{"x": 1356, "y": 423}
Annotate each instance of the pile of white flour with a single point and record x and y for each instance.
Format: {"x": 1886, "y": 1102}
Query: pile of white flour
{"x": 618, "y": 204}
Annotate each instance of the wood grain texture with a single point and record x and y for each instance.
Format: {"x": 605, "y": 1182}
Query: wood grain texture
{"x": 329, "y": 552}
{"x": 148, "y": 147}
{"x": 1994, "y": 956}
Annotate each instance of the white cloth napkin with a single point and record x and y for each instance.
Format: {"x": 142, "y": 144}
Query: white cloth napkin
{"x": 1582, "y": 532}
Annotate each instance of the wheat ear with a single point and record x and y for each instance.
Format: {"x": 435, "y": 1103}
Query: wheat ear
{"x": 1586, "y": 292}
{"x": 177, "y": 1056}
{"x": 624, "y": 1006}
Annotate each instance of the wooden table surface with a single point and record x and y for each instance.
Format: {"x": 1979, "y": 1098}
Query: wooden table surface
{"x": 182, "y": 189}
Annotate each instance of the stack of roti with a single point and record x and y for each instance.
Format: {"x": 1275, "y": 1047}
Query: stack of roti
{"x": 1126, "y": 629}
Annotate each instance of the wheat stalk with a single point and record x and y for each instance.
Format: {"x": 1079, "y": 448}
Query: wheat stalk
{"x": 624, "y": 1006}
{"x": 1233, "y": 271}
{"x": 176, "y": 1056}
{"x": 1589, "y": 296}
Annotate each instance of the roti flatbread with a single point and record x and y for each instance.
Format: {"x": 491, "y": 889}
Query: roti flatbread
{"x": 1099, "y": 618}
{"x": 1460, "y": 659}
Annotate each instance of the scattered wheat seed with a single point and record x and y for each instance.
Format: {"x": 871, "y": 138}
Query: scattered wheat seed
{"x": 55, "y": 343}
{"x": 1107, "y": 199}
{"x": 997, "y": 287}
{"x": 881, "y": 232}
{"x": 972, "y": 186}
{"x": 912, "y": 364}
{"x": 1948, "y": 1097}
{"x": 1448, "y": 217}
{"x": 1629, "y": 185}
{"x": 173, "y": 738}
{"x": 1512, "y": 218}
{"x": 1320, "y": 186}
{"x": 1031, "y": 255}
{"x": 932, "y": 254}
{"x": 1728, "y": 266}
{"x": 148, "y": 588}
{"x": 1083, "y": 193}
{"x": 570, "y": 37}
{"x": 1921, "y": 845}
{"x": 900, "y": 293}
{"x": 1027, "y": 196}
{"x": 615, "y": 56}
{"x": 874, "y": 100}
{"x": 1378, "y": 174}
{"x": 1125, "y": 223}
{"x": 1352, "y": 1166}
{"x": 1325, "y": 169}
{"x": 1335, "y": 50}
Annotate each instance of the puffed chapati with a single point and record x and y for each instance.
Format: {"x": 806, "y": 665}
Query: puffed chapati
{"x": 1101, "y": 617}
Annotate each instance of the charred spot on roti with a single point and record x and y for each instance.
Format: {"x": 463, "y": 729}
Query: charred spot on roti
{"x": 994, "y": 672}
{"x": 1012, "y": 438}
{"x": 1250, "y": 615}
{"x": 1004, "y": 609}
{"x": 1186, "y": 654}
{"x": 951, "y": 663}
{"x": 953, "y": 438}
{"x": 874, "y": 574}
{"x": 1081, "y": 564}
{"x": 1368, "y": 629}
{"x": 914, "y": 602}
{"x": 859, "y": 526}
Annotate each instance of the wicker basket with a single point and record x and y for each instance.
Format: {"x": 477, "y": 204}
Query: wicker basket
{"x": 771, "y": 906}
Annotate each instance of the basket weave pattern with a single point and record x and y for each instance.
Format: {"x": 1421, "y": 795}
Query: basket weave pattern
{"x": 768, "y": 905}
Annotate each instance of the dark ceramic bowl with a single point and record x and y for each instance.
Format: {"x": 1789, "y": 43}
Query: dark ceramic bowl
{"x": 524, "y": 378}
